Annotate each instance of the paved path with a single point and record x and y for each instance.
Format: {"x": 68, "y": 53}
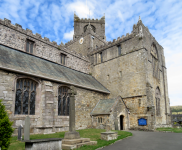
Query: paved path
{"x": 149, "y": 141}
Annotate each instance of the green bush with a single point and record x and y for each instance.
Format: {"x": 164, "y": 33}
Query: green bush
{"x": 5, "y": 128}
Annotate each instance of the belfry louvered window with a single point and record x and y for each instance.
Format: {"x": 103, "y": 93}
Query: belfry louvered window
{"x": 25, "y": 97}
{"x": 63, "y": 101}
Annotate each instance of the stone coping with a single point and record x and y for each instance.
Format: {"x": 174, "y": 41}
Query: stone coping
{"x": 42, "y": 140}
{"x": 109, "y": 132}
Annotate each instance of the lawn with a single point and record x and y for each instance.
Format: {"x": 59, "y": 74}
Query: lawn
{"x": 93, "y": 134}
{"x": 176, "y": 130}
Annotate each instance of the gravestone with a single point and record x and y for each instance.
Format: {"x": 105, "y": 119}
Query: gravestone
{"x": 116, "y": 124}
{"x": 27, "y": 128}
{"x": 20, "y": 132}
{"x": 72, "y": 134}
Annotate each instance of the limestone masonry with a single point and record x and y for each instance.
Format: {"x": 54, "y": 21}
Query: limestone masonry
{"x": 120, "y": 83}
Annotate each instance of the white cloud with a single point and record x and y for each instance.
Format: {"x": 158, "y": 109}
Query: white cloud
{"x": 69, "y": 35}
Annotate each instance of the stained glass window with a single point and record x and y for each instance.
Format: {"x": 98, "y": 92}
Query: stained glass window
{"x": 25, "y": 97}
{"x": 63, "y": 101}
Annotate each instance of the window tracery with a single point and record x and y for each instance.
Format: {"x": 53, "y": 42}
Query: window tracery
{"x": 63, "y": 101}
{"x": 25, "y": 97}
{"x": 93, "y": 28}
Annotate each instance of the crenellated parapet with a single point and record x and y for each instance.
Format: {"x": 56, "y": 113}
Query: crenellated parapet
{"x": 86, "y": 20}
{"x": 37, "y": 36}
{"x": 113, "y": 43}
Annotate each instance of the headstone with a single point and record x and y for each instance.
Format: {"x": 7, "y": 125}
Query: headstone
{"x": 72, "y": 134}
{"x": 20, "y": 132}
{"x": 27, "y": 128}
{"x": 116, "y": 124}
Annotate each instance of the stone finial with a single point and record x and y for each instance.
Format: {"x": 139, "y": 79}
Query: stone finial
{"x": 139, "y": 19}
{"x": 72, "y": 91}
{"x": 62, "y": 43}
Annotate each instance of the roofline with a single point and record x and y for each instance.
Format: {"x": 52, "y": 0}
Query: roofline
{"x": 51, "y": 79}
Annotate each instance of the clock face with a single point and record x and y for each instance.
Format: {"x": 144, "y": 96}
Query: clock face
{"x": 81, "y": 41}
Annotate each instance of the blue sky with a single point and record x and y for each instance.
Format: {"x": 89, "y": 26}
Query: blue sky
{"x": 54, "y": 19}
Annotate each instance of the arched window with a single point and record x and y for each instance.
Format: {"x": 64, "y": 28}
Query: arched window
{"x": 25, "y": 97}
{"x": 155, "y": 64}
{"x": 157, "y": 97}
{"x": 93, "y": 28}
{"x": 63, "y": 101}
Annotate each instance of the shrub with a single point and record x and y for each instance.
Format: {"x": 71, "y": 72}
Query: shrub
{"x": 5, "y": 128}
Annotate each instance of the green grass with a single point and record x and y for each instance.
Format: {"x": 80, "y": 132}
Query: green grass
{"x": 176, "y": 130}
{"x": 93, "y": 134}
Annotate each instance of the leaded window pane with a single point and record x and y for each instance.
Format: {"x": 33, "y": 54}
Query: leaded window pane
{"x": 25, "y": 97}
{"x": 32, "y": 103}
{"x": 64, "y": 105}
{"x": 18, "y": 102}
{"x": 68, "y": 105}
{"x": 59, "y": 105}
{"x": 31, "y": 48}
{"x": 25, "y": 102}
{"x": 27, "y": 47}
{"x": 63, "y": 101}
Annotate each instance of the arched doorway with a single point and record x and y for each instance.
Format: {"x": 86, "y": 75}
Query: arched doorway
{"x": 121, "y": 122}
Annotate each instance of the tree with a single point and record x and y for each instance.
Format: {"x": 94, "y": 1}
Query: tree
{"x": 6, "y": 129}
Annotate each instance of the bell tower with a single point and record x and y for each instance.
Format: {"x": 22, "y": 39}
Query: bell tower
{"x": 81, "y": 26}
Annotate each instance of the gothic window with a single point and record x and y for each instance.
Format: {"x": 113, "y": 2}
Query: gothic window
{"x": 25, "y": 97}
{"x": 155, "y": 64}
{"x": 63, "y": 101}
{"x": 157, "y": 97}
{"x": 93, "y": 28}
{"x": 29, "y": 46}
{"x": 63, "y": 59}
{"x": 119, "y": 50}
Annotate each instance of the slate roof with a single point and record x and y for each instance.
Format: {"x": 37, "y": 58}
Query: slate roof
{"x": 21, "y": 62}
{"x": 104, "y": 106}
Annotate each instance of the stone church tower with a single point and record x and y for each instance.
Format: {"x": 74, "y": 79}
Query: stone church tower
{"x": 122, "y": 82}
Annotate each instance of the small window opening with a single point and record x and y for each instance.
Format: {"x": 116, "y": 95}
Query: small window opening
{"x": 139, "y": 102}
{"x": 119, "y": 50}
{"x": 63, "y": 59}
{"x": 29, "y": 46}
{"x": 100, "y": 57}
{"x": 108, "y": 77}
{"x": 120, "y": 73}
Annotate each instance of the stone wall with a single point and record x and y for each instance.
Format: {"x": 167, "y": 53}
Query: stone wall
{"x": 46, "y": 117}
{"x": 15, "y": 37}
{"x": 124, "y": 75}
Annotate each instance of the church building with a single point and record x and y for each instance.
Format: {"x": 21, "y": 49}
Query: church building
{"x": 121, "y": 83}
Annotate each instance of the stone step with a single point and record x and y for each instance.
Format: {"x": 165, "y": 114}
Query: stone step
{"x": 67, "y": 146}
{"x": 75, "y": 141}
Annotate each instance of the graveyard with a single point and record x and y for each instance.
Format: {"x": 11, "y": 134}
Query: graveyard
{"x": 93, "y": 134}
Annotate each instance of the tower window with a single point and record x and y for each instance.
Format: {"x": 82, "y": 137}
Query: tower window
{"x": 93, "y": 28}
{"x": 29, "y": 46}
